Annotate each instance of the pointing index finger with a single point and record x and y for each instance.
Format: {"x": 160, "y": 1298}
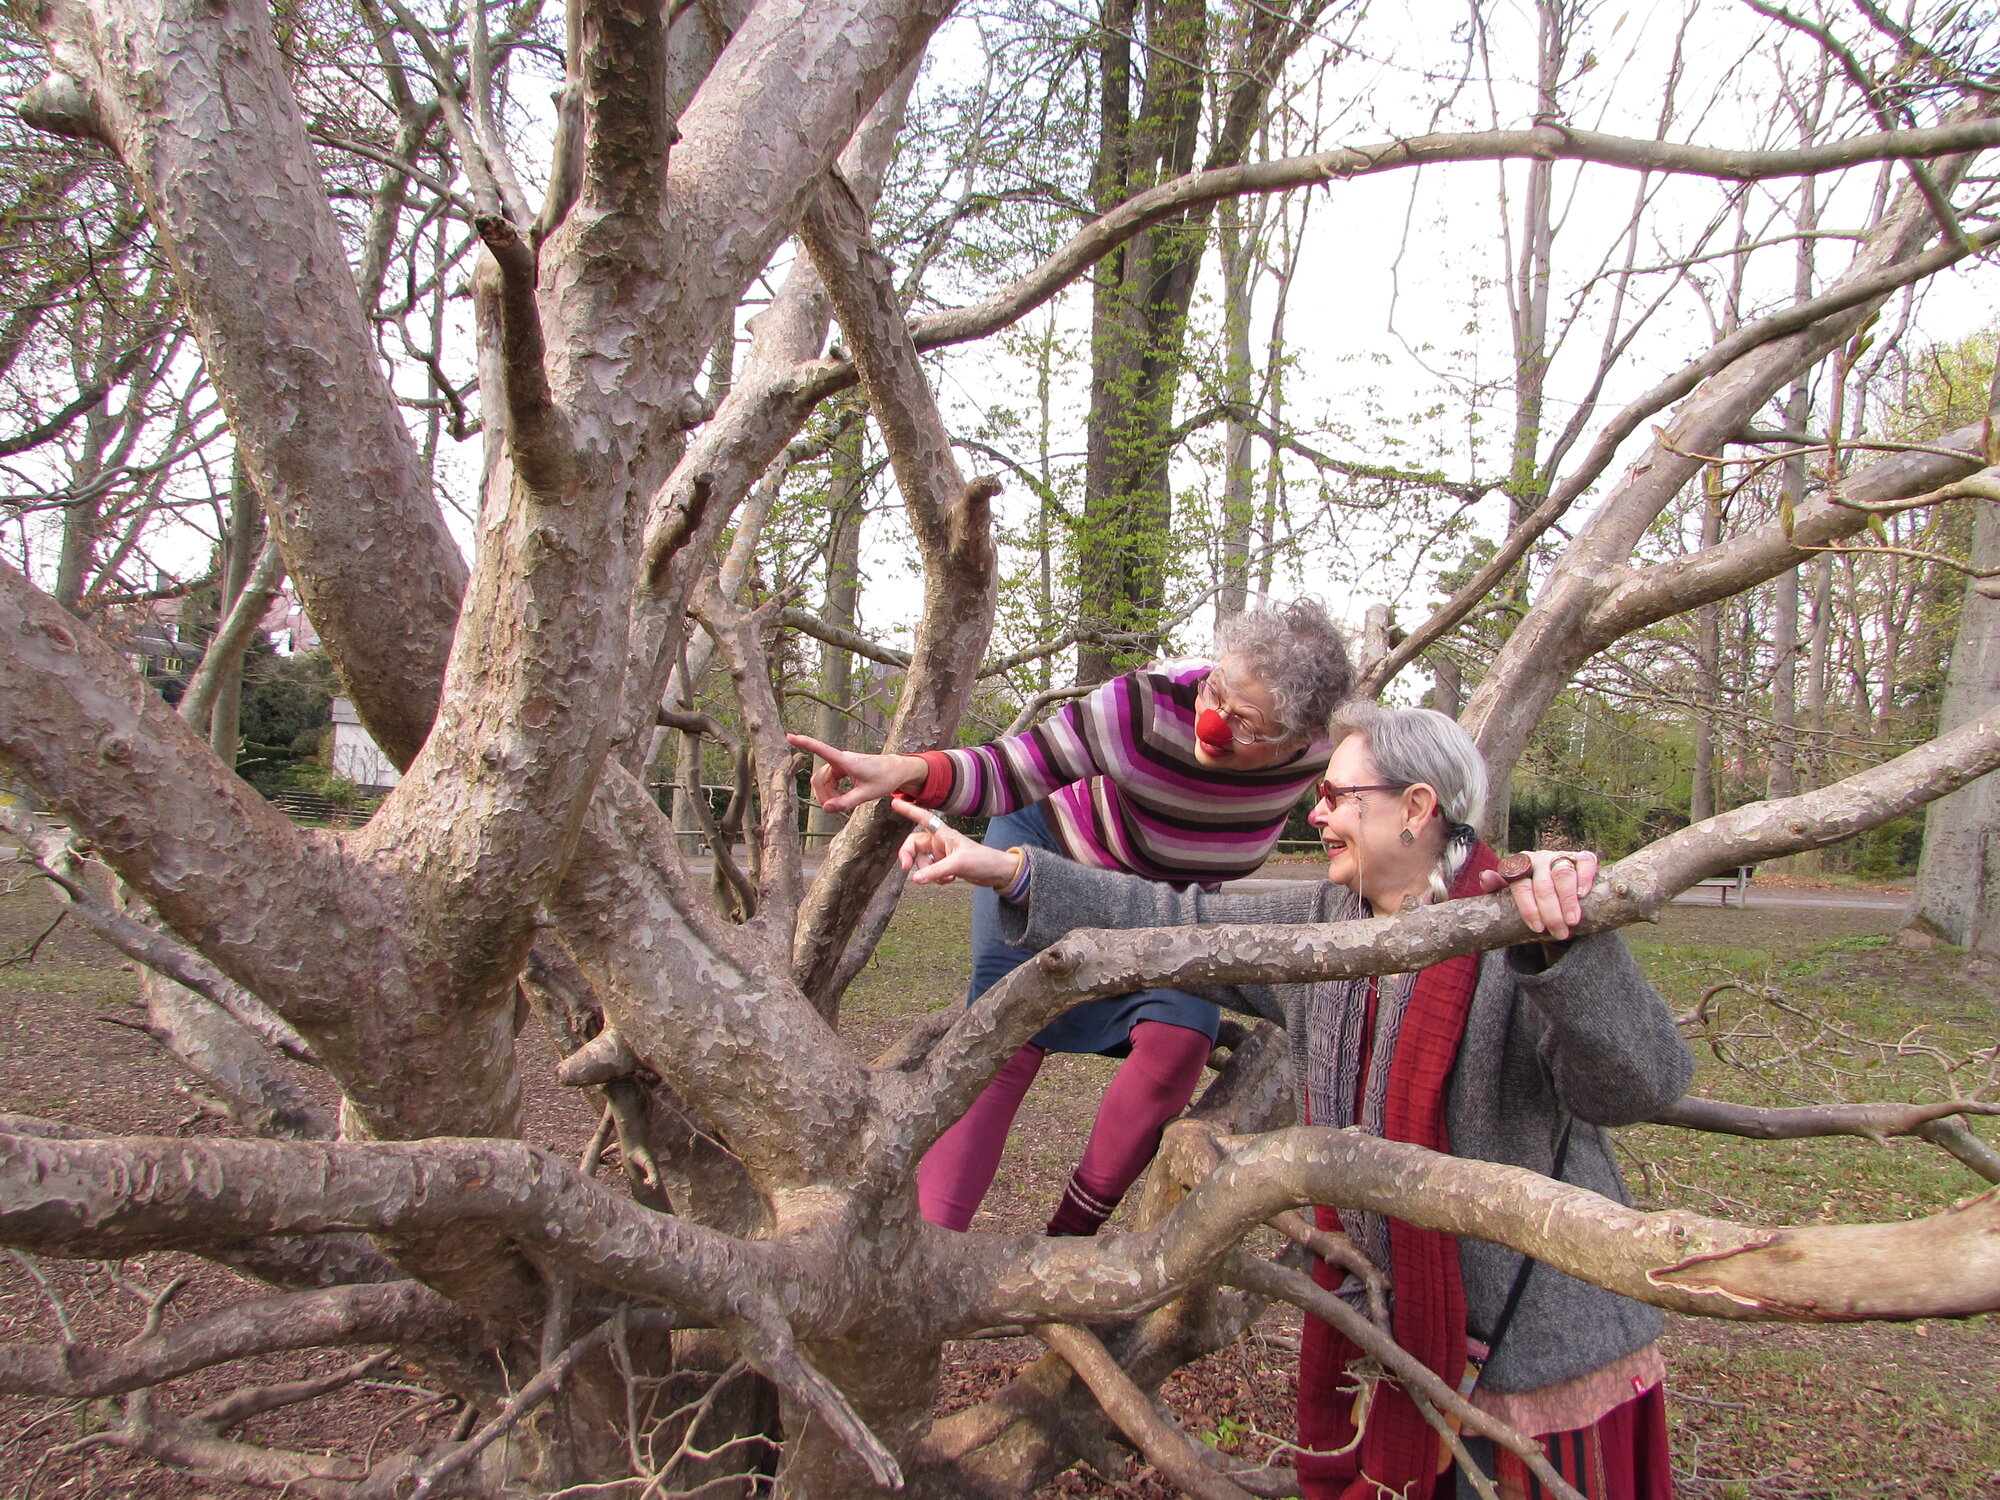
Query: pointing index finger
{"x": 921, "y": 816}
{"x": 807, "y": 742}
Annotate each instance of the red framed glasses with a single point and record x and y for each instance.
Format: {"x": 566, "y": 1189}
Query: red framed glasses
{"x": 1331, "y": 794}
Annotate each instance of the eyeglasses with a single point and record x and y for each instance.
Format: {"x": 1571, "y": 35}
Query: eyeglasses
{"x": 1331, "y": 794}
{"x": 1245, "y": 731}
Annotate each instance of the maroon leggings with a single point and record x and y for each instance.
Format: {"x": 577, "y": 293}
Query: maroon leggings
{"x": 1153, "y": 1085}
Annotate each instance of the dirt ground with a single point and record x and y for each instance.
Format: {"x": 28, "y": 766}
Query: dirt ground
{"x": 1760, "y": 1412}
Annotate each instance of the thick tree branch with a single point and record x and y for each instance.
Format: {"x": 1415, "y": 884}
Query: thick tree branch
{"x": 1955, "y": 1137}
{"x": 222, "y": 866}
{"x": 953, "y": 523}
{"x": 538, "y": 439}
{"x": 1164, "y": 1445}
{"x": 1945, "y": 1265}
{"x": 599, "y": 1060}
{"x": 763, "y": 1071}
{"x": 808, "y": 623}
{"x": 121, "y": 1197}
{"x": 1872, "y": 1122}
{"x": 626, "y": 131}
{"x": 56, "y": 858}
{"x": 765, "y": 407}
{"x": 1635, "y": 597}
{"x": 1549, "y": 644}
{"x": 235, "y": 199}
{"x": 781, "y": 880}
{"x": 811, "y": 84}
{"x": 860, "y": 282}
{"x": 1549, "y": 142}
{"x": 391, "y": 1312}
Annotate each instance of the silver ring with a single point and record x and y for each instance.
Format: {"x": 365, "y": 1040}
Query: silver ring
{"x": 933, "y": 823}
{"x": 1561, "y": 859}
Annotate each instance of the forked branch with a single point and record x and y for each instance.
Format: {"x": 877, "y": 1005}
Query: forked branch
{"x": 1165, "y": 1446}
{"x": 741, "y": 635}
{"x": 537, "y": 435}
{"x": 1851, "y": 292}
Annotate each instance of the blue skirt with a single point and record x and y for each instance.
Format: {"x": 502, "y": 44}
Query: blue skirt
{"x": 1103, "y": 1026}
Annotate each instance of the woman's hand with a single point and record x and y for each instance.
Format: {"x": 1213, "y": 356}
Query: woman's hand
{"x": 1549, "y": 886}
{"x": 868, "y": 776}
{"x": 940, "y": 854}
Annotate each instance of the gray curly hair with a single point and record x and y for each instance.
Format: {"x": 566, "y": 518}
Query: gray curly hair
{"x": 1297, "y": 652}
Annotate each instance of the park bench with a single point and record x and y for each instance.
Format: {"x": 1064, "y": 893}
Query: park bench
{"x": 1738, "y": 880}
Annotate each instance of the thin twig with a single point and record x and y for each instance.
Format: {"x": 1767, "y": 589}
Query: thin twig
{"x": 530, "y": 1396}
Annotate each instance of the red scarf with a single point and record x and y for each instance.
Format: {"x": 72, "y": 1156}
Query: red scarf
{"x": 1399, "y": 1450}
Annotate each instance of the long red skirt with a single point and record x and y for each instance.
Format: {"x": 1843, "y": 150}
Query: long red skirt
{"x": 1621, "y": 1456}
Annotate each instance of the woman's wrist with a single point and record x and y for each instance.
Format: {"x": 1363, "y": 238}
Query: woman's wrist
{"x": 914, "y": 771}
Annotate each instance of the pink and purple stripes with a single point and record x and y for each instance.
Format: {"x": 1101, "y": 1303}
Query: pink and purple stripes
{"x": 1123, "y": 787}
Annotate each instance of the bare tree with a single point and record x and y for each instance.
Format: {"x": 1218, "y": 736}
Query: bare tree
{"x": 767, "y": 1246}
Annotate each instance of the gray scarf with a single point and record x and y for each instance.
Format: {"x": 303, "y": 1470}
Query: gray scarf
{"x": 1335, "y": 1028}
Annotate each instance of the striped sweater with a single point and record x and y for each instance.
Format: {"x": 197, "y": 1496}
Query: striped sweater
{"x": 1122, "y": 787}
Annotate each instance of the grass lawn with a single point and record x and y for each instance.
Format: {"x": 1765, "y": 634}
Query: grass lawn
{"x": 1760, "y": 1410}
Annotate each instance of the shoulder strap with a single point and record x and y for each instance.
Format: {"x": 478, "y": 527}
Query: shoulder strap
{"x": 1476, "y": 1368}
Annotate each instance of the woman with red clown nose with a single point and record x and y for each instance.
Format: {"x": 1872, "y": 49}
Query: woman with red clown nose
{"x": 1183, "y": 775}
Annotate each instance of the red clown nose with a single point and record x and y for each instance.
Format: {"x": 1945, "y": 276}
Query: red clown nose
{"x": 1212, "y": 729}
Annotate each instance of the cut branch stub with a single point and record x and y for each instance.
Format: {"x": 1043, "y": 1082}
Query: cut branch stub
{"x": 61, "y": 105}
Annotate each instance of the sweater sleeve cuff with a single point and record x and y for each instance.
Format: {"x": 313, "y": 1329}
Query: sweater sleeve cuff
{"x": 938, "y": 779}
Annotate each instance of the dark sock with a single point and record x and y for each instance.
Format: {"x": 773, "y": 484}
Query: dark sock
{"x": 1153, "y": 1085}
{"x": 1081, "y": 1212}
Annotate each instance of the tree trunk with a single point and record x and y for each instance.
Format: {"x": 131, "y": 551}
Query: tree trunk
{"x": 1138, "y": 327}
{"x": 1958, "y": 878}
{"x": 1784, "y": 779}
{"x": 1708, "y": 657}
{"x": 843, "y": 588}
{"x": 241, "y": 546}
{"x": 1447, "y": 693}
{"x": 1238, "y": 245}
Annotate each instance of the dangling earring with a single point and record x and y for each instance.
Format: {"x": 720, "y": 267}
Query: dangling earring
{"x": 1409, "y": 837}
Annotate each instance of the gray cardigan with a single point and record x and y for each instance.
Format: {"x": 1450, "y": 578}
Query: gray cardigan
{"x": 1586, "y": 1036}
